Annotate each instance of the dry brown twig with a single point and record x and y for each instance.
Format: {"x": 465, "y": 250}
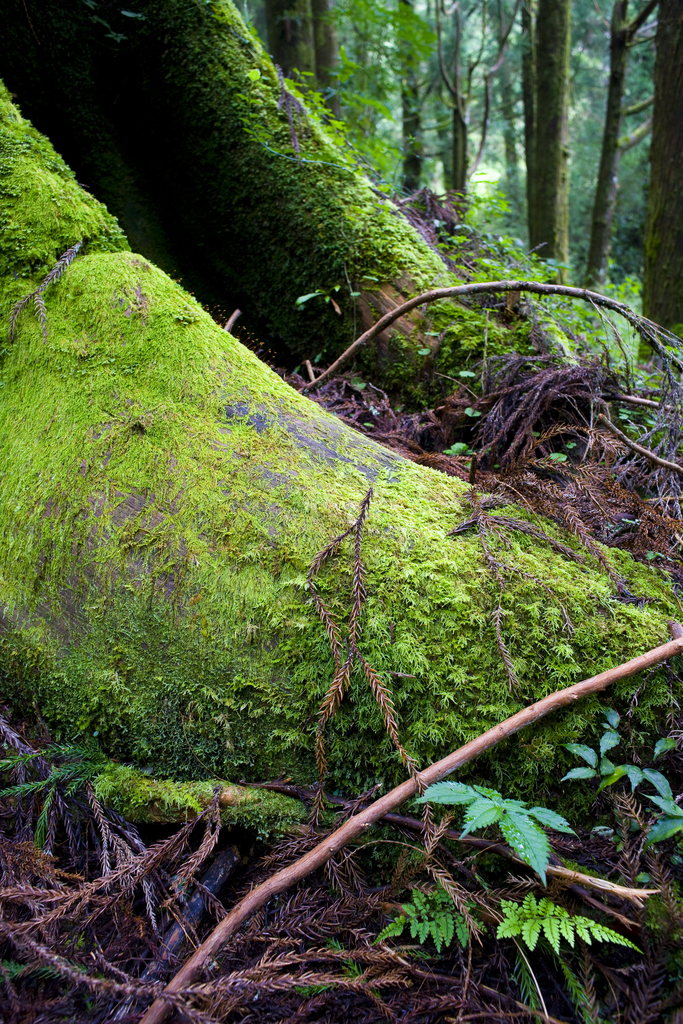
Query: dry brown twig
{"x": 641, "y": 324}
{"x": 360, "y": 822}
{"x": 638, "y": 448}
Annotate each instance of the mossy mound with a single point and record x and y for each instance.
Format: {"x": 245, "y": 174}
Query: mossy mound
{"x": 43, "y": 210}
{"x": 163, "y": 493}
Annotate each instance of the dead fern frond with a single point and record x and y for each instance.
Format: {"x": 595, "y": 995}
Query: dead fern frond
{"x": 64, "y": 261}
{"x": 342, "y": 674}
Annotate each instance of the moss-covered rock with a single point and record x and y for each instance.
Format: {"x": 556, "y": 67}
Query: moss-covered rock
{"x": 178, "y": 121}
{"x": 162, "y": 493}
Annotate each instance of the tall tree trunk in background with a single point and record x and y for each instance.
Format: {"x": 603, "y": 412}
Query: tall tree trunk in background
{"x": 325, "y": 43}
{"x": 290, "y": 35}
{"x": 411, "y": 116}
{"x": 459, "y": 143}
{"x": 621, "y": 34}
{"x": 529, "y": 101}
{"x": 508, "y": 98}
{"x": 606, "y": 188}
{"x": 663, "y": 283}
{"x": 550, "y": 219}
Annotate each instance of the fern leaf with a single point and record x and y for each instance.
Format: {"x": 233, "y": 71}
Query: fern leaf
{"x": 395, "y": 928}
{"x": 527, "y": 840}
{"x": 531, "y": 929}
{"x": 551, "y": 930}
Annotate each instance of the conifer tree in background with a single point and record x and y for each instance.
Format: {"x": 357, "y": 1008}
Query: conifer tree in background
{"x": 663, "y": 280}
{"x": 549, "y": 198}
{"x": 410, "y": 110}
{"x": 622, "y": 32}
{"x": 290, "y": 35}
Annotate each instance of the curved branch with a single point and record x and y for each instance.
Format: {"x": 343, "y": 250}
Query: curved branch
{"x": 479, "y": 288}
{"x": 364, "y": 819}
{"x": 638, "y": 448}
{"x": 638, "y": 108}
{"x": 641, "y": 17}
{"x": 641, "y": 132}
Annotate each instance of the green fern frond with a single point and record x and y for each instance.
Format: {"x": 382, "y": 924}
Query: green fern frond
{"x": 529, "y": 919}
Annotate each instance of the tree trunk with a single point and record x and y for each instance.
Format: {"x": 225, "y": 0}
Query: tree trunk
{"x": 162, "y": 494}
{"x": 325, "y": 52}
{"x": 411, "y": 114}
{"x": 508, "y": 97}
{"x": 291, "y": 36}
{"x": 607, "y": 184}
{"x": 412, "y": 133}
{"x": 223, "y": 161}
{"x": 529, "y": 102}
{"x": 663, "y": 280}
{"x": 550, "y": 219}
{"x": 459, "y": 151}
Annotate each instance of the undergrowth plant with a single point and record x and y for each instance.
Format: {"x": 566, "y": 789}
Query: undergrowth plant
{"x": 429, "y": 915}
{"x": 519, "y": 824}
{"x": 599, "y": 766}
{"x": 532, "y": 918}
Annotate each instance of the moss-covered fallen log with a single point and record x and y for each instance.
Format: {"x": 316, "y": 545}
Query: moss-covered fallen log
{"x": 162, "y": 494}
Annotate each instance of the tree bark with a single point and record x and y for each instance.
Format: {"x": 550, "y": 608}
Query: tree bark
{"x": 460, "y": 155}
{"x": 529, "y": 102}
{"x": 291, "y": 35}
{"x": 663, "y": 280}
{"x": 608, "y": 180}
{"x": 550, "y": 201}
{"x": 508, "y": 98}
{"x": 325, "y": 39}
{"x": 411, "y": 115}
{"x": 613, "y": 145}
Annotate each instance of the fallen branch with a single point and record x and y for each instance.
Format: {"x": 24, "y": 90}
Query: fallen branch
{"x": 364, "y": 819}
{"x": 556, "y": 870}
{"x": 482, "y": 287}
{"x": 649, "y": 403}
{"x": 233, "y": 318}
{"x": 638, "y": 448}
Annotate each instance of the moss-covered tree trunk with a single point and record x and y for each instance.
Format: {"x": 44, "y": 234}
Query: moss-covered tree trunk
{"x": 550, "y": 198}
{"x": 663, "y": 282}
{"x": 529, "y": 104}
{"x": 162, "y": 495}
{"x": 183, "y": 126}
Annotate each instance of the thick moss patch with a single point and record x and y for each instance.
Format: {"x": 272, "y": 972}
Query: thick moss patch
{"x": 162, "y": 494}
{"x": 43, "y": 210}
{"x": 182, "y": 128}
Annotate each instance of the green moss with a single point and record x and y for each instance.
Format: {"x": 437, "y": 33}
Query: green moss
{"x": 162, "y": 494}
{"x": 139, "y": 797}
{"x": 251, "y": 223}
{"x": 43, "y": 211}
